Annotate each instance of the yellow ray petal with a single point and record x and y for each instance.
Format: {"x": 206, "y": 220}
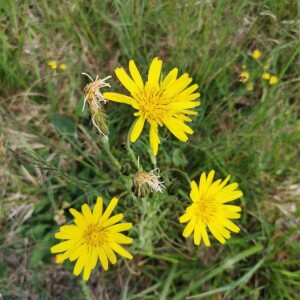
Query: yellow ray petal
{"x": 230, "y": 215}
{"x": 189, "y": 90}
{"x": 229, "y": 197}
{"x": 185, "y": 218}
{"x": 231, "y": 208}
{"x": 63, "y": 246}
{"x": 197, "y": 235}
{"x": 137, "y": 129}
{"x": 154, "y": 71}
{"x": 154, "y": 139}
{"x": 79, "y": 265}
{"x": 111, "y": 206}
{"x": 194, "y": 195}
{"x": 189, "y": 228}
{"x": 87, "y": 213}
{"x": 136, "y": 76}
{"x": 103, "y": 258}
{"x": 229, "y": 225}
{"x": 110, "y": 254}
{"x": 202, "y": 184}
{"x": 180, "y": 105}
{"x": 78, "y": 218}
{"x": 98, "y": 208}
{"x": 93, "y": 258}
{"x": 216, "y": 233}
{"x": 120, "y": 227}
{"x": 180, "y": 84}
{"x": 204, "y": 235}
{"x": 171, "y": 77}
{"x": 116, "y": 97}
{"x": 113, "y": 220}
{"x": 77, "y": 252}
{"x": 177, "y": 128}
{"x": 68, "y": 236}
{"x": 128, "y": 83}
{"x": 121, "y": 238}
{"x": 120, "y": 250}
{"x": 86, "y": 273}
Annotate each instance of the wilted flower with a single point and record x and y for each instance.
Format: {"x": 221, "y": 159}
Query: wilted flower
{"x": 144, "y": 181}
{"x": 94, "y": 98}
{"x": 249, "y": 87}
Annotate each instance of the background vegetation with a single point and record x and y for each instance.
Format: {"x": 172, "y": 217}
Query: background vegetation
{"x": 51, "y": 158}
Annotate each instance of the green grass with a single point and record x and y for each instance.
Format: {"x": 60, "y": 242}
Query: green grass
{"x": 49, "y": 153}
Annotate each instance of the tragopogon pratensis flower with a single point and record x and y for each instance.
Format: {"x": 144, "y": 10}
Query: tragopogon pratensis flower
{"x": 95, "y": 235}
{"x": 162, "y": 102}
{"x": 209, "y": 209}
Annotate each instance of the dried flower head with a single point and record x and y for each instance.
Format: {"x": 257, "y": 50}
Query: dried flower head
{"x": 93, "y": 96}
{"x": 144, "y": 181}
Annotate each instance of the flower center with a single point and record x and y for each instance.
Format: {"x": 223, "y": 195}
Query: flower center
{"x": 206, "y": 210}
{"x": 95, "y": 236}
{"x": 153, "y": 104}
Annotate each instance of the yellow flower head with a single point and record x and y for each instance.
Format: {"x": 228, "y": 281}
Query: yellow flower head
{"x": 256, "y": 54}
{"x": 209, "y": 209}
{"x": 265, "y": 75}
{"x": 63, "y": 66}
{"x": 244, "y": 76}
{"x": 52, "y": 64}
{"x": 249, "y": 87}
{"x": 95, "y": 235}
{"x": 159, "y": 101}
{"x": 273, "y": 80}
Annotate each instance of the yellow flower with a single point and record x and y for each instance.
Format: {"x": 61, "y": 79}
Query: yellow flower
{"x": 52, "y": 64}
{"x": 63, "y": 66}
{"x": 159, "y": 101}
{"x": 256, "y": 54}
{"x": 209, "y": 209}
{"x": 266, "y": 76}
{"x": 273, "y": 80}
{"x": 249, "y": 87}
{"x": 244, "y": 66}
{"x": 244, "y": 76}
{"x": 95, "y": 235}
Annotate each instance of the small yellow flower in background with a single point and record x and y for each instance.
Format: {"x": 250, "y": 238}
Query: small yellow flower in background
{"x": 95, "y": 235}
{"x": 266, "y": 76}
{"x": 144, "y": 181}
{"x": 256, "y": 54}
{"x": 273, "y": 80}
{"x": 162, "y": 102}
{"x": 48, "y": 54}
{"x": 52, "y": 64}
{"x": 209, "y": 209}
{"x": 249, "y": 87}
{"x": 244, "y": 66}
{"x": 244, "y": 76}
{"x": 62, "y": 67}
{"x": 94, "y": 97}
